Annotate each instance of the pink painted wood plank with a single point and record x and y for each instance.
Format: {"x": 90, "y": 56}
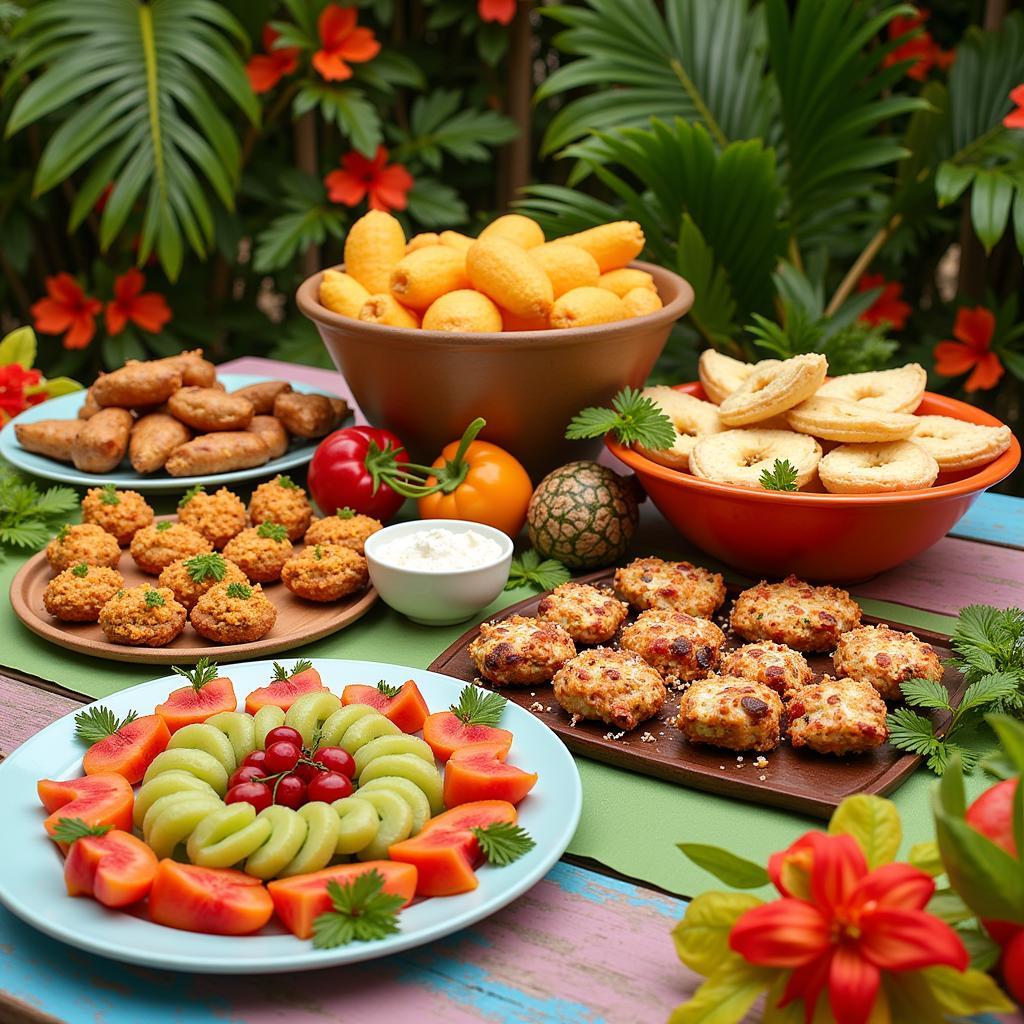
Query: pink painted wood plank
{"x": 952, "y": 574}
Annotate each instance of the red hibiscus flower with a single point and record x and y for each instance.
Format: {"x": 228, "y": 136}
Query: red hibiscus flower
{"x": 147, "y": 310}
{"x": 839, "y": 927}
{"x": 920, "y": 48}
{"x": 343, "y": 43}
{"x": 265, "y": 70}
{"x": 888, "y": 308}
{"x": 67, "y": 308}
{"x": 971, "y": 351}
{"x": 1015, "y": 118}
{"x": 14, "y": 378}
{"x": 386, "y": 185}
{"x": 502, "y": 11}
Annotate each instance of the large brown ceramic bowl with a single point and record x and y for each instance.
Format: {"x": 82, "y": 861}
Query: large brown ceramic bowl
{"x": 427, "y": 386}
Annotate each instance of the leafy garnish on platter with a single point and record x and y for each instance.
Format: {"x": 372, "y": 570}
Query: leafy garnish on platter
{"x": 274, "y": 531}
{"x": 190, "y": 494}
{"x": 633, "y": 419}
{"x": 203, "y": 567}
{"x": 285, "y": 481}
{"x": 989, "y": 646}
{"x": 25, "y": 511}
{"x": 242, "y": 591}
{"x": 280, "y": 672}
{"x": 204, "y": 671}
{"x": 781, "y": 477}
{"x": 68, "y": 830}
{"x": 345, "y": 513}
{"x": 362, "y": 912}
{"x": 95, "y": 724}
{"x": 501, "y": 842}
{"x": 109, "y": 495}
{"x": 81, "y": 570}
{"x": 388, "y": 689}
{"x": 529, "y": 570}
{"x": 154, "y": 599}
{"x": 479, "y": 707}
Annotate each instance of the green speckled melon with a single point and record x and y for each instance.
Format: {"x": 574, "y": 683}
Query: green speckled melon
{"x": 584, "y": 515}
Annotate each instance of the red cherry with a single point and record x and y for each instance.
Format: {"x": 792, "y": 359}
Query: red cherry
{"x": 329, "y": 786}
{"x": 256, "y": 793}
{"x": 336, "y": 759}
{"x": 283, "y": 733}
{"x": 1013, "y": 966}
{"x": 282, "y": 756}
{"x": 290, "y": 791}
{"x": 255, "y": 759}
{"x": 247, "y": 773}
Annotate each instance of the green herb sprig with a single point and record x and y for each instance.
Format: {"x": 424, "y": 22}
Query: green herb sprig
{"x": 529, "y": 570}
{"x": 781, "y": 477}
{"x": 241, "y": 591}
{"x": 502, "y": 842}
{"x": 81, "y": 570}
{"x": 97, "y": 723}
{"x": 362, "y": 912}
{"x": 287, "y": 483}
{"x": 280, "y": 672}
{"x": 204, "y": 671}
{"x": 633, "y": 418}
{"x": 388, "y": 689}
{"x": 69, "y": 830}
{"x": 109, "y": 495}
{"x": 203, "y": 567}
{"x": 154, "y": 599}
{"x": 190, "y": 494}
{"x": 479, "y": 707}
{"x": 273, "y": 531}
{"x": 26, "y": 513}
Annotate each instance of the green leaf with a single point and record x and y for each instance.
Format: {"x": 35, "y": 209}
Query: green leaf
{"x": 99, "y": 722}
{"x": 502, "y": 842}
{"x": 925, "y": 693}
{"x": 529, "y": 570}
{"x": 948, "y": 907}
{"x": 362, "y": 911}
{"x": 990, "y": 206}
{"x": 874, "y": 823}
{"x": 781, "y": 477}
{"x": 634, "y": 418}
{"x": 714, "y": 305}
{"x": 70, "y": 830}
{"x": 702, "y": 936}
{"x": 1011, "y": 738}
{"x": 19, "y": 347}
{"x": 951, "y": 180}
{"x": 963, "y": 994}
{"x": 925, "y": 857}
{"x": 725, "y": 866}
{"x": 479, "y": 707}
{"x": 433, "y": 204}
{"x": 726, "y": 996}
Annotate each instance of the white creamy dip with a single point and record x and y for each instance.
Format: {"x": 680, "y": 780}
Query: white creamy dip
{"x": 438, "y": 549}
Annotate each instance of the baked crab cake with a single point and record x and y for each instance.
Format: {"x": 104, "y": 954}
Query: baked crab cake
{"x": 520, "y": 650}
{"x": 233, "y": 613}
{"x": 325, "y": 572}
{"x": 218, "y": 516}
{"x": 346, "y": 527}
{"x": 85, "y": 542}
{"x": 78, "y": 594}
{"x": 614, "y": 687}
{"x": 679, "y": 586}
{"x": 775, "y": 665}
{"x": 588, "y": 614}
{"x": 885, "y": 658}
{"x": 143, "y": 616}
{"x": 794, "y": 613}
{"x": 281, "y": 500}
{"x": 121, "y": 513}
{"x": 731, "y": 712}
{"x": 678, "y": 645}
{"x": 837, "y": 716}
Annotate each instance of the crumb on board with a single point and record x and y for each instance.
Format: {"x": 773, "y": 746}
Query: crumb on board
{"x": 614, "y": 735}
{"x": 574, "y": 720}
{"x": 536, "y": 706}
{"x": 647, "y": 738}
{"x": 762, "y": 777}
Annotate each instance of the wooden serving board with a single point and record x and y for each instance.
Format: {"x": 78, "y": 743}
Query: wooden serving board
{"x": 298, "y": 621}
{"x": 794, "y": 780}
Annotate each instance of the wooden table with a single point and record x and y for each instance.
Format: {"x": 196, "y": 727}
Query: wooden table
{"x": 580, "y": 948}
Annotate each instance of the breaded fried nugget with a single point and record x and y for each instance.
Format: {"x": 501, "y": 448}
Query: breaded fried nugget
{"x": 218, "y": 516}
{"x": 680, "y": 586}
{"x": 885, "y": 658}
{"x": 233, "y": 613}
{"x": 155, "y": 547}
{"x": 615, "y": 687}
{"x": 587, "y": 614}
{"x": 520, "y": 650}
{"x": 837, "y": 716}
{"x": 679, "y": 646}
{"x": 775, "y": 665}
{"x": 87, "y": 543}
{"x": 283, "y": 501}
{"x": 325, "y": 572}
{"x": 345, "y": 527}
{"x": 731, "y": 712}
{"x": 143, "y": 616}
{"x": 121, "y": 513}
{"x": 79, "y": 593}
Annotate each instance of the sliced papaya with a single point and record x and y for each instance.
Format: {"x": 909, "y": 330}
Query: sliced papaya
{"x": 479, "y": 772}
{"x": 116, "y": 868}
{"x": 446, "y": 853}
{"x": 215, "y": 901}
{"x": 285, "y": 688}
{"x": 130, "y": 750}
{"x": 403, "y": 705}
{"x": 446, "y": 733}
{"x": 300, "y": 900}
{"x": 207, "y": 694}
{"x": 103, "y": 799}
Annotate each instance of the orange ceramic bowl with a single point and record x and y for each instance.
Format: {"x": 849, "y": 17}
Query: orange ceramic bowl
{"x": 831, "y": 537}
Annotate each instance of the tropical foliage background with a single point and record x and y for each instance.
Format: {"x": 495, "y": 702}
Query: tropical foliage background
{"x": 835, "y": 175}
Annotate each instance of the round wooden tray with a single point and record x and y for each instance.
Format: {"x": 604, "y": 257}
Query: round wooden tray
{"x": 298, "y": 621}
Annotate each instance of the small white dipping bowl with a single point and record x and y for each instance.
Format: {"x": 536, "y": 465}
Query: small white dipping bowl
{"x": 438, "y": 597}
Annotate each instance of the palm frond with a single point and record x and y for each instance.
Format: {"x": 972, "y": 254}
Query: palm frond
{"x": 130, "y": 84}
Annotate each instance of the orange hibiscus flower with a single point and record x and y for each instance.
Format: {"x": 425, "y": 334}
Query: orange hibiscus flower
{"x": 265, "y": 70}
{"x": 67, "y": 309}
{"x": 888, "y": 308}
{"x": 1015, "y": 118}
{"x": 386, "y": 185}
{"x": 920, "y": 48}
{"x": 972, "y": 351}
{"x": 501, "y": 11}
{"x": 342, "y": 43}
{"x": 148, "y": 310}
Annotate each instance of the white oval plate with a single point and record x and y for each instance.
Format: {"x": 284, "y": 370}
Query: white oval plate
{"x": 31, "y": 872}
{"x": 65, "y": 407}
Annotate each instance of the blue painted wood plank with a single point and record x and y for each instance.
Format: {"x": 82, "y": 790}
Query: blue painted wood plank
{"x": 994, "y": 519}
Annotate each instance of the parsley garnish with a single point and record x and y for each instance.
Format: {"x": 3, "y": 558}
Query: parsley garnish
{"x": 109, "y": 495}
{"x": 70, "y": 829}
{"x": 387, "y": 688}
{"x": 205, "y": 671}
{"x": 81, "y": 570}
{"x": 240, "y": 590}
{"x": 280, "y": 672}
{"x": 528, "y": 570}
{"x": 633, "y": 418}
{"x": 989, "y": 644}
{"x": 501, "y": 842}
{"x": 318, "y": 552}
{"x": 275, "y": 531}
{"x": 160, "y": 527}
{"x": 345, "y": 513}
{"x": 362, "y": 912}
{"x": 63, "y": 533}
{"x": 190, "y": 494}
{"x": 204, "y": 567}
{"x": 479, "y": 707}
{"x": 154, "y": 599}
{"x": 25, "y": 511}
{"x": 287, "y": 483}
{"x": 99, "y": 722}
{"x": 781, "y": 477}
